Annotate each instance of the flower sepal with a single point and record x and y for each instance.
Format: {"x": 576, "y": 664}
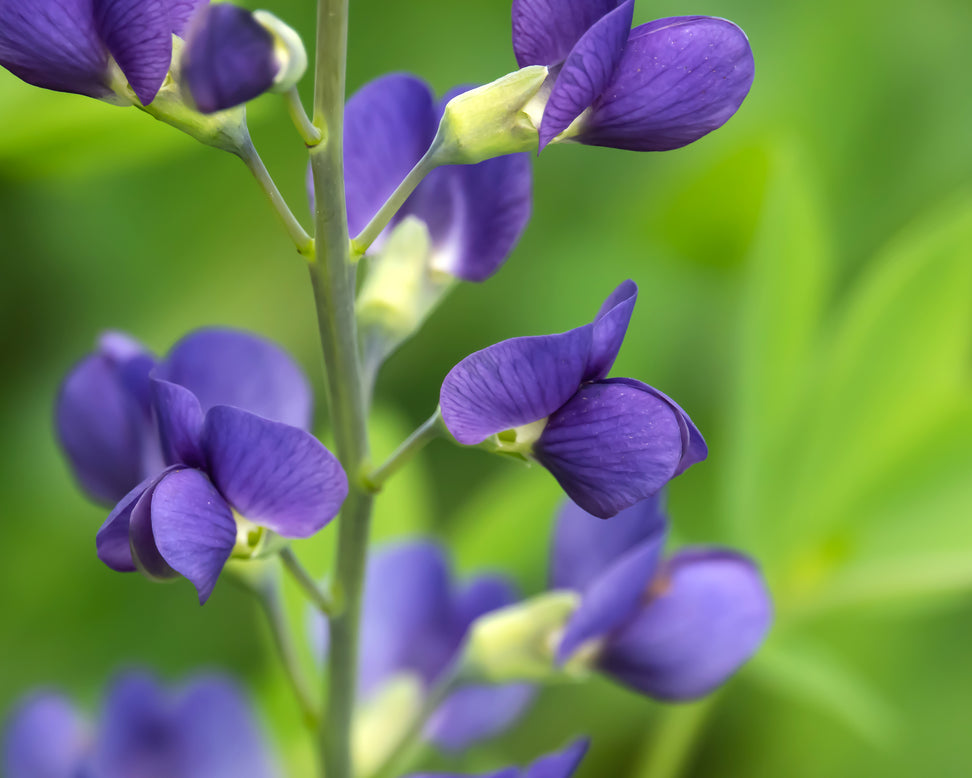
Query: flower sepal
{"x": 224, "y": 130}
{"x": 519, "y": 642}
{"x": 401, "y": 290}
{"x": 493, "y": 120}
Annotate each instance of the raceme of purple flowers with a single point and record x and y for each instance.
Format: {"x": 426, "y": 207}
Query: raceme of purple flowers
{"x": 203, "y": 730}
{"x": 561, "y": 764}
{"x": 659, "y": 86}
{"x": 609, "y": 442}
{"x": 184, "y": 445}
{"x": 69, "y": 45}
{"x": 673, "y": 629}
{"x": 415, "y": 619}
{"x": 475, "y": 214}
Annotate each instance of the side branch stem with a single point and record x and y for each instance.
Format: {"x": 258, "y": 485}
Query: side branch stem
{"x": 332, "y": 277}
{"x": 320, "y": 598}
{"x": 303, "y": 241}
{"x": 430, "y": 430}
{"x": 373, "y": 229}
{"x": 271, "y": 601}
{"x": 309, "y": 133}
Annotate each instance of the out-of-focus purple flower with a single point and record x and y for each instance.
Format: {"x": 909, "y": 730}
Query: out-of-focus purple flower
{"x": 609, "y": 442}
{"x": 673, "y": 629}
{"x": 71, "y": 45}
{"x": 659, "y": 86}
{"x": 474, "y": 213}
{"x": 414, "y": 622}
{"x": 561, "y": 764}
{"x": 231, "y": 454}
{"x": 233, "y": 55}
{"x": 205, "y": 730}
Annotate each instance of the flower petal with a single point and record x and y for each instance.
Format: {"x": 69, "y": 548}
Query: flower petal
{"x": 44, "y": 738}
{"x": 229, "y": 367}
{"x": 407, "y": 616}
{"x": 610, "y": 326}
{"x": 544, "y": 31}
{"x": 710, "y": 618}
{"x": 694, "y": 449}
{"x": 102, "y": 427}
{"x": 54, "y": 46}
{"x": 138, "y": 34}
{"x": 193, "y": 527}
{"x": 512, "y": 383}
{"x": 276, "y": 475}
{"x": 561, "y": 764}
{"x": 114, "y": 546}
{"x": 228, "y": 59}
{"x": 585, "y": 547}
{"x": 218, "y": 733}
{"x": 487, "y": 215}
{"x": 389, "y": 125}
{"x": 180, "y": 12}
{"x": 141, "y": 537}
{"x": 180, "y": 419}
{"x": 587, "y": 71}
{"x": 611, "y": 445}
{"x": 475, "y": 713}
{"x": 678, "y": 79}
{"x": 136, "y": 734}
{"x": 614, "y": 596}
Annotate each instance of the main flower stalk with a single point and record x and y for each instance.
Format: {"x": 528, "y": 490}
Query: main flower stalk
{"x": 332, "y": 276}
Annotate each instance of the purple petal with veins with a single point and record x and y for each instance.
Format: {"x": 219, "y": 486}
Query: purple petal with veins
{"x": 544, "y": 31}
{"x": 138, "y": 33}
{"x": 678, "y": 79}
{"x": 587, "y": 71}
{"x": 612, "y": 445}
{"x": 275, "y": 475}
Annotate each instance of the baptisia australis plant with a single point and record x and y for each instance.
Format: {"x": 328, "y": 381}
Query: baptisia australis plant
{"x": 206, "y": 452}
{"x": 203, "y": 730}
{"x": 207, "y": 456}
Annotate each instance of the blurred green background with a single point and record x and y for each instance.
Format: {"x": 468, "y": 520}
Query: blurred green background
{"x": 806, "y": 294}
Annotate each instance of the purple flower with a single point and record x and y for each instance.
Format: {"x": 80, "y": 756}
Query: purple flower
{"x": 673, "y": 629}
{"x": 474, "y": 213}
{"x": 414, "y": 622}
{"x": 609, "y": 442}
{"x": 657, "y": 87}
{"x": 561, "y": 764}
{"x": 230, "y": 456}
{"x": 233, "y": 55}
{"x": 73, "y": 45}
{"x": 205, "y": 730}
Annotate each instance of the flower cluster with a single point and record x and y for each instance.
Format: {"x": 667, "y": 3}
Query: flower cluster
{"x": 203, "y": 730}
{"x": 206, "y": 452}
{"x": 609, "y": 442}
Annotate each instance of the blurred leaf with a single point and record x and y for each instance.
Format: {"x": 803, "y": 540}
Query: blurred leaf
{"x": 812, "y": 676}
{"x": 780, "y": 312}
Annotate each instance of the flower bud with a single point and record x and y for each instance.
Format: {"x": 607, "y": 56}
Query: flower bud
{"x": 491, "y": 120}
{"x": 519, "y": 643}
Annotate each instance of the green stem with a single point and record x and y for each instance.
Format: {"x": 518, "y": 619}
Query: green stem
{"x": 303, "y": 241}
{"x": 431, "y": 429}
{"x": 332, "y": 277}
{"x": 267, "y": 592}
{"x": 669, "y": 752}
{"x": 320, "y": 598}
{"x": 373, "y": 229}
{"x": 308, "y": 131}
